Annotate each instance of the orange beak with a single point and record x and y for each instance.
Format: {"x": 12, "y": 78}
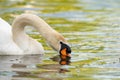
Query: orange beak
{"x": 63, "y": 52}
{"x": 64, "y": 57}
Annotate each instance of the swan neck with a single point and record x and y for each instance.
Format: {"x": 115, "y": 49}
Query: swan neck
{"x": 51, "y": 36}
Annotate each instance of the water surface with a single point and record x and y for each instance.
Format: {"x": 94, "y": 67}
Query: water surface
{"x": 92, "y": 27}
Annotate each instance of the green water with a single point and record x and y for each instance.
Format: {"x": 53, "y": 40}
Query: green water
{"x": 92, "y": 28}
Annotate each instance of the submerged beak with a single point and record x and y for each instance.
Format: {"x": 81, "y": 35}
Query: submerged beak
{"x": 65, "y": 54}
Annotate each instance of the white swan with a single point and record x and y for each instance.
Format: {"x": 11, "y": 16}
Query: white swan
{"x": 14, "y": 41}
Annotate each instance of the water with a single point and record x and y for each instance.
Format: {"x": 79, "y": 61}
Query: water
{"x": 92, "y": 27}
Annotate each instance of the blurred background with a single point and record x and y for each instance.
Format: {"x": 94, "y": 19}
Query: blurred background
{"x": 92, "y": 28}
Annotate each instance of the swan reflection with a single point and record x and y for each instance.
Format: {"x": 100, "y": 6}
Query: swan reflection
{"x": 7, "y": 62}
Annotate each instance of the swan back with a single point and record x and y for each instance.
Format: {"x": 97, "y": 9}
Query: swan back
{"x": 7, "y": 45}
{"x": 5, "y": 31}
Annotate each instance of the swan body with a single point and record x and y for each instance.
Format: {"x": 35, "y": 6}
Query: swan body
{"x": 7, "y": 45}
{"x": 14, "y": 41}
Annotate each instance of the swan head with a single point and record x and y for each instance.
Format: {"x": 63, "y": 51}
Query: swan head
{"x": 65, "y": 54}
{"x": 55, "y": 39}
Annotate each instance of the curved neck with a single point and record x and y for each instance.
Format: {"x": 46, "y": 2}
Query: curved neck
{"x": 51, "y": 36}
